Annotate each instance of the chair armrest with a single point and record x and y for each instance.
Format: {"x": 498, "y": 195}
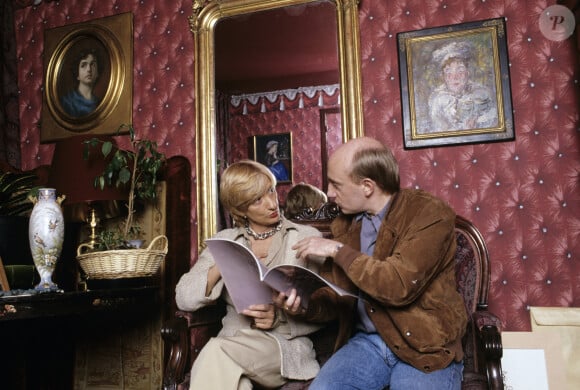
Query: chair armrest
{"x": 493, "y": 350}
{"x": 208, "y": 315}
{"x": 488, "y": 331}
{"x": 184, "y": 335}
{"x": 175, "y": 336}
{"x": 483, "y": 317}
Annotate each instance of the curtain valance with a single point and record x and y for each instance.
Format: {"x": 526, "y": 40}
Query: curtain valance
{"x": 321, "y": 96}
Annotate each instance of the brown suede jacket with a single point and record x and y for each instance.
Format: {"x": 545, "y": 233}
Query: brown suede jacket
{"x": 410, "y": 281}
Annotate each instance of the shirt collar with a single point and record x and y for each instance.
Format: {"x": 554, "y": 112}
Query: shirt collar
{"x": 381, "y": 214}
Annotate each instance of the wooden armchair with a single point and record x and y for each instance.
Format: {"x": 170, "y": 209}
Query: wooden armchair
{"x": 187, "y": 332}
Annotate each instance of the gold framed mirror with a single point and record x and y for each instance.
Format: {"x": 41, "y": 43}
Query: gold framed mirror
{"x": 206, "y": 15}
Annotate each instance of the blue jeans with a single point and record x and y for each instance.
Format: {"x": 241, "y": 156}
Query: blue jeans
{"x": 366, "y": 363}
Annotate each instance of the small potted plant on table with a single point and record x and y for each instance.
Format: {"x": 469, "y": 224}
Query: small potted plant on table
{"x": 113, "y": 255}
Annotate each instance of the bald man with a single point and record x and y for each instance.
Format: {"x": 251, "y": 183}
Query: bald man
{"x": 396, "y": 248}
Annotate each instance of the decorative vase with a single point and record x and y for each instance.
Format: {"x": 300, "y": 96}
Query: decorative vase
{"x": 46, "y": 235}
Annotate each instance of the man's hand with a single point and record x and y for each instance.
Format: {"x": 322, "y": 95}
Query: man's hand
{"x": 289, "y": 303}
{"x": 315, "y": 247}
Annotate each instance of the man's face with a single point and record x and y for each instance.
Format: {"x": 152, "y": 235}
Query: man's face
{"x": 88, "y": 70}
{"x": 455, "y": 74}
{"x": 348, "y": 195}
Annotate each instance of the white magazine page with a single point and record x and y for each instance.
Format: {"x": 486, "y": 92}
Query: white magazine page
{"x": 240, "y": 272}
{"x": 284, "y": 277}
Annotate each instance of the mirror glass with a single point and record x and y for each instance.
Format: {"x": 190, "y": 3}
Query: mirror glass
{"x": 224, "y": 31}
{"x": 276, "y": 76}
{"x": 277, "y": 49}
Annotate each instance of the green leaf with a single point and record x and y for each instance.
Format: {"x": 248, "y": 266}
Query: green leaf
{"x": 106, "y": 148}
{"x": 137, "y": 166}
{"x": 124, "y": 175}
{"x": 14, "y": 191}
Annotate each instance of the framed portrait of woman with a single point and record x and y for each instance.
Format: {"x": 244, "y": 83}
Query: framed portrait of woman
{"x": 275, "y": 152}
{"x": 88, "y": 78}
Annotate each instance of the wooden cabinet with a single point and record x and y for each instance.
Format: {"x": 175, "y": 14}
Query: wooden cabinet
{"x": 81, "y": 340}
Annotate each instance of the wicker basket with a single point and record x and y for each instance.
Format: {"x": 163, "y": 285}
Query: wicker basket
{"x": 123, "y": 263}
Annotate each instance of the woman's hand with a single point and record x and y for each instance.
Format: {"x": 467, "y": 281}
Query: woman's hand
{"x": 264, "y": 316}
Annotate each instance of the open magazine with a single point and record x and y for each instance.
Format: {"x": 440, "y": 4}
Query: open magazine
{"x": 250, "y": 282}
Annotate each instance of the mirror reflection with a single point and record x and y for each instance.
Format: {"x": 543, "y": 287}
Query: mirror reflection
{"x": 244, "y": 95}
{"x": 276, "y": 77}
{"x": 277, "y": 49}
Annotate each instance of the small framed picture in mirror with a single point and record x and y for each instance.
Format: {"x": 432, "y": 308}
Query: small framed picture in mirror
{"x": 275, "y": 152}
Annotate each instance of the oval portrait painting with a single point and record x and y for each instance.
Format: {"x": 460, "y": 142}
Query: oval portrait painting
{"x": 84, "y": 77}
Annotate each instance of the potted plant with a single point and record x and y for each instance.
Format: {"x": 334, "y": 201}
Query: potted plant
{"x": 15, "y": 209}
{"x": 15, "y": 187}
{"x": 136, "y": 167}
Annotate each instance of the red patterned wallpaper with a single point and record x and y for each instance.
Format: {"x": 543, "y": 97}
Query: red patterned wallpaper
{"x": 163, "y": 86}
{"x": 523, "y": 195}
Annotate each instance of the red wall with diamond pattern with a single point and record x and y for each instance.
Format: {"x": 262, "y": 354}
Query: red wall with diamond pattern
{"x": 523, "y": 195}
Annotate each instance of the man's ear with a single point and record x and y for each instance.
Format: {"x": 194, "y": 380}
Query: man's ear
{"x": 368, "y": 186}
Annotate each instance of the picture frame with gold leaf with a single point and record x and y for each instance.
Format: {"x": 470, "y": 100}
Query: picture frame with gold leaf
{"x": 67, "y": 110}
{"x": 455, "y": 84}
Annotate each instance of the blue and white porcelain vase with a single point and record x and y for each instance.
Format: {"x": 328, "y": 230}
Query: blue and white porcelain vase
{"x": 46, "y": 236}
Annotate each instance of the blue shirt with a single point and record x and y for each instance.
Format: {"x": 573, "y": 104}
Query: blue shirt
{"x": 368, "y": 240}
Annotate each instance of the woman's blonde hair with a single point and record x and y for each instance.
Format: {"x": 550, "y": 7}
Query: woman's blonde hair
{"x": 303, "y": 196}
{"x": 241, "y": 184}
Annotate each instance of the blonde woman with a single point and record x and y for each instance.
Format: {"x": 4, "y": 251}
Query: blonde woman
{"x": 263, "y": 345}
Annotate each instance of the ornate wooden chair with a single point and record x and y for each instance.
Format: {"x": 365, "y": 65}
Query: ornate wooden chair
{"x": 187, "y": 332}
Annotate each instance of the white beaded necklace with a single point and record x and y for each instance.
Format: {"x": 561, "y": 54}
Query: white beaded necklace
{"x": 264, "y": 235}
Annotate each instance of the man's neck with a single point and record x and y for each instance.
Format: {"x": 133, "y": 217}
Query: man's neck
{"x": 377, "y": 203}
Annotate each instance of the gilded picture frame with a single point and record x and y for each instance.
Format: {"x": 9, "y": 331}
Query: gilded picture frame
{"x": 4, "y": 286}
{"x": 455, "y": 85}
{"x": 275, "y": 152}
{"x": 107, "y": 43}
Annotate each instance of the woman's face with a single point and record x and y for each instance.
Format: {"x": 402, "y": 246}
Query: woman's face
{"x": 88, "y": 70}
{"x": 455, "y": 74}
{"x": 264, "y": 211}
{"x": 273, "y": 149}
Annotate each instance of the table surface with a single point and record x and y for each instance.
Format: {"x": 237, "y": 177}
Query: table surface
{"x": 76, "y": 303}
